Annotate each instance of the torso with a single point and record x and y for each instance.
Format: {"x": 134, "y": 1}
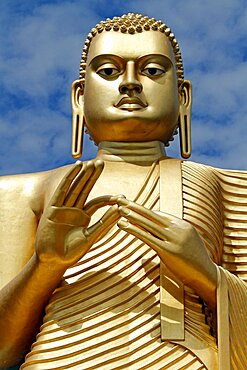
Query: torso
{"x": 106, "y": 313}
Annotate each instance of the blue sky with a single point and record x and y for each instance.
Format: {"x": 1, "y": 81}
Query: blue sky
{"x": 40, "y": 50}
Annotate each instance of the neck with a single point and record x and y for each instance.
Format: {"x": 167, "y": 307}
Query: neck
{"x": 132, "y": 152}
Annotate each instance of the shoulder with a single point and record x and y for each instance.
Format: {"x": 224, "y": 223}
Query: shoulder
{"x": 216, "y": 170}
{"x": 32, "y": 189}
{"x": 198, "y": 170}
{"x": 225, "y": 178}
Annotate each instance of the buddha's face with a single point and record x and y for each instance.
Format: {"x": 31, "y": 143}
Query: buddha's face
{"x": 131, "y": 91}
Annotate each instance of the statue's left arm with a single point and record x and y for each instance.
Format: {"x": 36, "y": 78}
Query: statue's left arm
{"x": 232, "y": 278}
{"x": 182, "y": 250}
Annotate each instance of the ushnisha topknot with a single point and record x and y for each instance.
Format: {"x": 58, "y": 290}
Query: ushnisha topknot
{"x": 133, "y": 23}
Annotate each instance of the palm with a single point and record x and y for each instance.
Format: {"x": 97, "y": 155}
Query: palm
{"x": 63, "y": 235}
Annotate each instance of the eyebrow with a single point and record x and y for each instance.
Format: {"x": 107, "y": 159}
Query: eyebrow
{"x": 113, "y": 56}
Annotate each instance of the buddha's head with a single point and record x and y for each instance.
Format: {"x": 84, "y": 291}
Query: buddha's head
{"x": 131, "y": 85}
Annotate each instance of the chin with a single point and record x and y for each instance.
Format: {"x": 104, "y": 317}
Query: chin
{"x": 131, "y": 130}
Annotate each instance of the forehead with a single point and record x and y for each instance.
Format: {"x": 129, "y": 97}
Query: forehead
{"x": 130, "y": 46}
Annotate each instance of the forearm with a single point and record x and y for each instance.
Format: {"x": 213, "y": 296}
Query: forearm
{"x": 204, "y": 282}
{"x": 21, "y": 306}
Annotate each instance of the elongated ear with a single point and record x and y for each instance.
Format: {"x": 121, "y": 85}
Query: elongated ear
{"x": 77, "y": 102}
{"x": 184, "y": 121}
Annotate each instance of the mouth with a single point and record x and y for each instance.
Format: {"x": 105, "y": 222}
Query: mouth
{"x": 130, "y": 104}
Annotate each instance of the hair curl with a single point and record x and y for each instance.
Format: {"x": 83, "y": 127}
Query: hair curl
{"x": 133, "y": 23}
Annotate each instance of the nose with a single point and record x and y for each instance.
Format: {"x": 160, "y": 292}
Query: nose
{"x": 130, "y": 82}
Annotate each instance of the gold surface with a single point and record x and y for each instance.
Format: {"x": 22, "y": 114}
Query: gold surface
{"x": 86, "y": 241}
{"x": 171, "y": 289}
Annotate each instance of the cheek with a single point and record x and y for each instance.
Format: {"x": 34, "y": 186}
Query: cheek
{"x": 166, "y": 105}
{"x": 99, "y": 96}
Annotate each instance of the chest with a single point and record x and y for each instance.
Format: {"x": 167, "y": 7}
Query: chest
{"x": 136, "y": 183}
{"x": 121, "y": 178}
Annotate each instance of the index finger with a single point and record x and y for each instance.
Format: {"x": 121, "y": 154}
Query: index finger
{"x": 162, "y": 219}
{"x": 146, "y": 223}
{"x": 98, "y": 168}
{"x": 104, "y": 200}
{"x": 80, "y": 187}
{"x": 61, "y": 191}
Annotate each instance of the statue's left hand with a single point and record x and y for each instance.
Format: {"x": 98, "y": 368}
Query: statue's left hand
{"x": 177, "y": 243}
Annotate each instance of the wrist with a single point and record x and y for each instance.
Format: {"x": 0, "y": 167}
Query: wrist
{"x": 208, "y": 286}
{"x": 48, "y": 269}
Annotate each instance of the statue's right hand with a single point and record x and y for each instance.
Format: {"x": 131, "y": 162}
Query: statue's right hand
{"x": 63, "y": 235}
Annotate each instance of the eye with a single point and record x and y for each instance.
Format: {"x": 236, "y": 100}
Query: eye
{"x": 153, "y": 70}
{"x": 108, "y": 70}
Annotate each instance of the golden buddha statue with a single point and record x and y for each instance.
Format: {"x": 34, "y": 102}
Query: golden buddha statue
{"x": 151, "y": 276}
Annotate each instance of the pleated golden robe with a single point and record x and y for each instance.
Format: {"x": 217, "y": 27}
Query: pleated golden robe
{"x": 106, "y": 312}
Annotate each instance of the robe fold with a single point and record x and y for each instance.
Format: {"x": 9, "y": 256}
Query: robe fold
{"x": 106, "y": 312}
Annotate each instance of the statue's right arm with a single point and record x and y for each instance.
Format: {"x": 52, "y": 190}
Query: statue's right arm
{"x": 18, "y": 268}
{"x": 34, "y": 255}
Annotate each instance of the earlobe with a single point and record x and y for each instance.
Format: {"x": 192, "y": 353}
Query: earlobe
{"x": 77, "y": 102}
{"x": 184, "y": 121}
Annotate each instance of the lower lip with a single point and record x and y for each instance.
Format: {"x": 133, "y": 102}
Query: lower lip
{"x": 131, "y": 106}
